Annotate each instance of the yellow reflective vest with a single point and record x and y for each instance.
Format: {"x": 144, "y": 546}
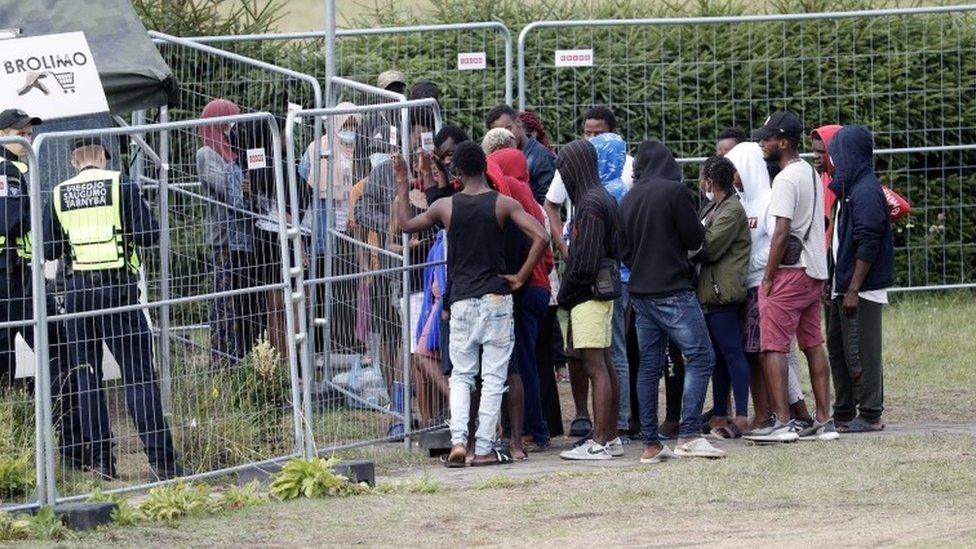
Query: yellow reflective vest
{"x": 89, "y": 208}
{"x": 22, "y": 243}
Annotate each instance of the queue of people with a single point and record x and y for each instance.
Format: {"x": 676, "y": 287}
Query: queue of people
{"x": 725, "y": 287}
{"x": 722, "y": 287}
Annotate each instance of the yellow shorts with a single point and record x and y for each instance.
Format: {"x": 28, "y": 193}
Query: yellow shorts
{"x": 591, "y": 324}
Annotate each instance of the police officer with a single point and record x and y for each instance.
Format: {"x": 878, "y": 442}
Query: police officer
{"x": 15, "y": 272}
{"x": 97, "y": 219}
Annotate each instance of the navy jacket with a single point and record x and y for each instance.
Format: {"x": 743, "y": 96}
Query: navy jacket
{"x": 863, "y": 229}
{"x": 14, "y": 211}
{"x": 542, "y": 168}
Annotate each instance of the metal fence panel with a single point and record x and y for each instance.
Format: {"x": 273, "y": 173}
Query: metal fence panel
{"x": 423, "y": 52}
{"x": 24, "y": 381}
{"x": 364, "y": 279}
{"x": 905, "y": 73}
{"x": 182, "y": 355}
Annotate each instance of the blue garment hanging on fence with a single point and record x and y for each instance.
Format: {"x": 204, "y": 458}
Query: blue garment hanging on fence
{"x": 430, "y": 307}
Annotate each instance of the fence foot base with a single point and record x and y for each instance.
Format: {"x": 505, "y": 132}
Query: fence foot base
{"x": 85, "y": 516}
{"x": 260, "y": 474}
{"x": 435, "y": 442}
{"x": 357, "y": 471}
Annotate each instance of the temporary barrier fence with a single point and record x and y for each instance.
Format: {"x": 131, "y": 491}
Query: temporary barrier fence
{"x": 470, "y": 62}
{"x": 904, "y": 72}
{"x": 935, "y": 246}
{"x": 359, "y": 354}
{"x": 25, "y": 387}
{"x": 223, "y": 249}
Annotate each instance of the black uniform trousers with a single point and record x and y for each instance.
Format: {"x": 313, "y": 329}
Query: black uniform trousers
{"x": 129, "y": 339}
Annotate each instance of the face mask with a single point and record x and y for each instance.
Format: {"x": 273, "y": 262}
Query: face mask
{"x": 347, "y": 137}
{"x": 377, "y": 159}
{"x": 710, "y": 195}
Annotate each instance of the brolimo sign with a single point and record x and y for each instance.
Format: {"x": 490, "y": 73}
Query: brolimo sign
{"x": 52, "y": 76}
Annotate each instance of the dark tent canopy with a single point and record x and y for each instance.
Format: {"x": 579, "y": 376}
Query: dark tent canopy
{"x": 133, "y": 74}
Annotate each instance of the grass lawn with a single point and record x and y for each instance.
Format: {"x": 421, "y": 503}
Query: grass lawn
{"x": 901, "y": 488}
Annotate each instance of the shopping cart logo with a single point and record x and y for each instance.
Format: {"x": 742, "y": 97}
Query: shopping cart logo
{"x": 35, "y": 81}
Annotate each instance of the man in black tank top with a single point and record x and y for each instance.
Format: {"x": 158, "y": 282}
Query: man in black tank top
{"x": 479, "y": 296}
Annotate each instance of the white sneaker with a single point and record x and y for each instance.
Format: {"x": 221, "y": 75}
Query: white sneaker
{"x": 615, "y": 447}
{"x": 773, "y": 430}
{"x": 820, "y": 431}
{"x": 588, "y": 451}
{"x": 699, "y": 448}
{"x": 663, "y": 455}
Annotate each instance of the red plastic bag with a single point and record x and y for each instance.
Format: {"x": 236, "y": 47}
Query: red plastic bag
{"x": 898, "y": 207}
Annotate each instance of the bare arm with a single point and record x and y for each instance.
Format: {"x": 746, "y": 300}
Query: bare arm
{"x": 777, "y": 247}
{"x": 426, "y": 219}
{"x": 510, "y": 209}
{"x": 556, "y": 227}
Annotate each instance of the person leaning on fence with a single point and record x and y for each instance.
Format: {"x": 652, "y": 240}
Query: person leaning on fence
{"x": 479, "y": 295}
{"x": 97, "y": 220}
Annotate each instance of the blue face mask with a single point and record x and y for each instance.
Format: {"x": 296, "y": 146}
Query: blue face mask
{"x": 347, "y": 137}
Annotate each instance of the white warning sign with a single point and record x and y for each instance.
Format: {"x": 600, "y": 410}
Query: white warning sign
{"x": 574, "y": 58}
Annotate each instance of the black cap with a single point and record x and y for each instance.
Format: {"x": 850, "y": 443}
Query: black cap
{"x": 17, "y": 119}
{"x": 780, "y": 124}
{"x": 91, "y": 141}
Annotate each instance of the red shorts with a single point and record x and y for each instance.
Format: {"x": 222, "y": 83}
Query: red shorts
{"x": 793, "y": 307}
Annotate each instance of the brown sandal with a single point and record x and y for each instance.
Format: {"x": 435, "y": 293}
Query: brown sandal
{"x": 456, "y": 459}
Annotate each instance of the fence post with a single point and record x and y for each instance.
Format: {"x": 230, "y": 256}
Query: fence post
{"x": 165, "y": 388}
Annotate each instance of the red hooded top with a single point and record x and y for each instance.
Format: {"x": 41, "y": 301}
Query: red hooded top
{"x": 825, "y": 134}
{"x": 506, "y": 168}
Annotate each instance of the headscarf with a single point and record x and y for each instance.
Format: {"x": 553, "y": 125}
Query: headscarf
{"x": 654, "y": 162}
{"x": 215, "y": 135}
{"x": 343, "y": 155}
{"x": 533, "y": 124}
{"x": 497, "y": 139}
{"x": 611, "y": 154}
{"x": 513, "y": 163}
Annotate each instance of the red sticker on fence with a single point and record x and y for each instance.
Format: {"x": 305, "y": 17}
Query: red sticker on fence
{"x": 574, "y": 58}
{"x": 472, "y": 61}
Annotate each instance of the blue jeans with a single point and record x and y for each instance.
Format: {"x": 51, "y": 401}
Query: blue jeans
{"x": 618, "y": 355}
{"x": 677, "y": 317}
{"x": 530, "y": 310}
{"x": 481, "y": 329}
{"x": 731, "y": 367}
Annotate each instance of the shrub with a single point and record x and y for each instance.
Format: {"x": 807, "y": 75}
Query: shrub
{"x": 173, "y": 501}
{"x": 16, "y": 476}
{"x": 240, "y": 497}
{"x": 14, "y": 528}
{"x": 313, "y": 478}
{"x": 125, "y": 514}
{"x": 16, "y": 443}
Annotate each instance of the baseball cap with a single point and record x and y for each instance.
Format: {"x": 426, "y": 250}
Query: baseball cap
{"x": 92, "y": 141}
{"x": 780, "y": 124}
{"x": 17, "y": 119}
{"x": 387, "y": 78}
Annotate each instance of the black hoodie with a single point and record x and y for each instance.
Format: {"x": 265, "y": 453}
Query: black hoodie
{"x": 596, "y": 231}
{"x": 660, "y": 225}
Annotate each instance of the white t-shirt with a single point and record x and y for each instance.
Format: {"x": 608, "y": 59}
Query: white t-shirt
{"x": 798, "y": 196}
{"x": 557, "y": 189}
{"x": 876, "y": 296}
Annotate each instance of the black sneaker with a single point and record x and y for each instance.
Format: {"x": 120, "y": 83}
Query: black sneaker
{"x": 104, "y": 466}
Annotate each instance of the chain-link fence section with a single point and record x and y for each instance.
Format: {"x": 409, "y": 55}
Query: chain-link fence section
{"x": 471, "y": 63}
{"x": 365, "y": 288}
{"x": 174, "y": 311}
